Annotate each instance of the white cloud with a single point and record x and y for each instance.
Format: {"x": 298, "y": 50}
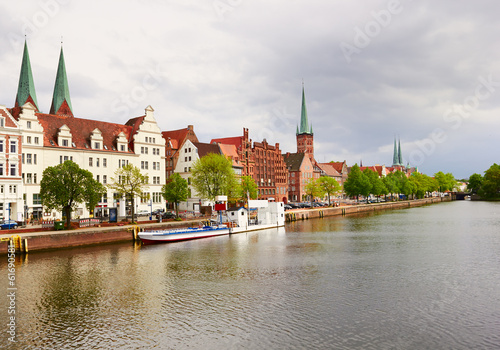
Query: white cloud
{"x": 244, "y": 69}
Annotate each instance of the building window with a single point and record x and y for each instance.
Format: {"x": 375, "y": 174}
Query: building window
{"x": 28, "y": 158}
{"x": 12, "y": 170}
{"x": 13, "y": 146}
{"x": 91, "y": 161}
{"x": 65, "y": 143}
{"x": 1, "y": 146}
{"x": 104, "y": 162}
{"x": 104, "y": 179}
{"x": 28, "y": 178}
{"x": 37, "y": 140}
{"x": 97, "y": 145}
{"x": 28, "y": 139}
{"x": 97, "y": 162}
{"x": 37, "y": 200}
{"x": 122, "y": 148}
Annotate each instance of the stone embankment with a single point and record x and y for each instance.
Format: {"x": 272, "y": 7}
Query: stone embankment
{"x": 33, "y": 241}
{"x": 304, "y": 214}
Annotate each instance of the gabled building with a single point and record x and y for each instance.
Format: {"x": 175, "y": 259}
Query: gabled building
{"x": 270, "y": 171}
{"x": 11, "y": 157}
{"x": 243, "y": 146}
{"x": 49, "y": 139}
{"x": 174, "y": 140}
{"x": 190, "y": 152}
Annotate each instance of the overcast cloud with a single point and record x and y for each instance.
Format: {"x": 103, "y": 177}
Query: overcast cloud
{"x": 423, "y": 71}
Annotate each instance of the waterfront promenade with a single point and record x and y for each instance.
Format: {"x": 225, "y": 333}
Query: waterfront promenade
{"x": 45, "y": 240}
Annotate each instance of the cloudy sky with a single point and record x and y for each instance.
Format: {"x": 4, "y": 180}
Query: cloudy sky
{"x": 424, "y": 71}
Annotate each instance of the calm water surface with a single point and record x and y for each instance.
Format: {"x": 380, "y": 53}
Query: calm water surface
{"x": 422, "y": 278}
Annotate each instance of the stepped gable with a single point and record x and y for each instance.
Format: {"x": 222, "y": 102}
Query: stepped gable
{"x": 81, "y": 130}
{"x": 134, "y": 123}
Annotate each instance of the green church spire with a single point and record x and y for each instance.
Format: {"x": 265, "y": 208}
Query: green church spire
{"x": 395, "y": 157}
{"x": 304, "y": 123}
{"x": 26, "y": 88}
{"x": 61, "y": 101}
{"x": 400, "y": 155}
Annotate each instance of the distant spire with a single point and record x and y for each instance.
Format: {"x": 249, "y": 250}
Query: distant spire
{"x": 400, "y": 155}
{"x": 26, "y": 88}
{"x": 304, "y": 123}
{"x": 395, "y": 157}
{"x": 61, "y": 101}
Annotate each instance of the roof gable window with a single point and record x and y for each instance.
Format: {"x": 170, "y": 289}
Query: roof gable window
{"x": 96, "y": 140}
{"x": 64, "y": 136}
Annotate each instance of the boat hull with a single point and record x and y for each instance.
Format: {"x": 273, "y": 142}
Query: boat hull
{"x": 166, "y": 236}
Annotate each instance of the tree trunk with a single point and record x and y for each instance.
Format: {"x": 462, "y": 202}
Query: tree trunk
{"x": 67, "y": 211}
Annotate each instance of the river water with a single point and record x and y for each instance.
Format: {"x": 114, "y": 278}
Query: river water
{"x": 420, "y": 278}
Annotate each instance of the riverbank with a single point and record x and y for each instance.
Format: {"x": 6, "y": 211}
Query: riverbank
{"x": 46, "y": 240}
{"x": 304, "y": 214}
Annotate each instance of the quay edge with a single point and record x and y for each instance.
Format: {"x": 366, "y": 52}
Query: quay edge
{"x": 304, "y": 214}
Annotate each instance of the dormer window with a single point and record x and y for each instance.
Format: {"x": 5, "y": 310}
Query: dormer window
{"x": 97, "y": 145}
{"x": 65, "y": 143}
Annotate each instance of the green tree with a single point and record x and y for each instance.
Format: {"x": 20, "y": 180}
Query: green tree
{"x": 129, "y": 182}
{"x": 330, "y": 186}
{"x": 475, "y": 182}
{"x": 377, "y": 186}
{"x": 446, "y": 182}
{"x": 65, "y": 185}
{"x": 357, "y": 183}
{"x": 175, "y": 191}
{"x": 390, "y": 184}
{"x": 212, "y": 176}
{"x": 490, "y": 188}
{"x": 313, "y": 189}
{"x": 249, "y": 188}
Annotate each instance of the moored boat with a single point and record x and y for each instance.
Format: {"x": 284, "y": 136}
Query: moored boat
{"x": 183, "y": 234}
{"x": 260, "y": 215}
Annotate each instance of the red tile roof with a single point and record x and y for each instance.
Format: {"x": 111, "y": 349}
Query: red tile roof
{"x": 81, "y": 130}
{"x": 237, "y": 141}
{"x": 329, "y": 169}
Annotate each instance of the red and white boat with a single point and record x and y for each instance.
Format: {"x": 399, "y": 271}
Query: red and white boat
{"x": 182, "y": 234}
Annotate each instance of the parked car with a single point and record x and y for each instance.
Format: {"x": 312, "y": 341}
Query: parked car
{"x": 143, "y": 212}
{"x": 8, "y": 224}
{"x": 168, "y": 215}
{"x": 288, "y": 207}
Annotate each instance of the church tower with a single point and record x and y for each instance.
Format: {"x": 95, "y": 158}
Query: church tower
{"x": 26, "y": 88}
{"x": 305, "y": 136}
{"x": 397, "y": 158}
{"x": 61, "y": 101}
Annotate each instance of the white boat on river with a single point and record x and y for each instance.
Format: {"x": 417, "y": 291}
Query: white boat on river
{"x": 260, "y": 215}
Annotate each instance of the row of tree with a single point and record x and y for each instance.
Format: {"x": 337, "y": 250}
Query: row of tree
{"x": 65, "y": 186}
{"x": 487, "y": 186}
{"x": 368, "y": 182}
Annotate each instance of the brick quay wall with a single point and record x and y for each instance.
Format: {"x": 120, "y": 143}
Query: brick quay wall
{"x": 304, "y": 214}
{"x": 46, "y": 240}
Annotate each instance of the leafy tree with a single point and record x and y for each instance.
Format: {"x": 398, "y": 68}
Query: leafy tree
{"x": 313, "y": 189}
{"x": 446, "y": 182}
{"x": 175, "y": 191}
{"x": 65, "y": 185}
{"x": 475, "y": 182}
{"x": 490, "y": 188}
{"x": 423, "y": 184}
{"x": 330, "y": 186}
{"x": 212, "y": 176}
{"x": 390, "y": 184}
{"x": 234, "y": 189}
{"x": 377, "y": 186}
{"x": 357, "y": 183}
{"x": 129, "y": 182}
{"x": 249, "y": 188}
